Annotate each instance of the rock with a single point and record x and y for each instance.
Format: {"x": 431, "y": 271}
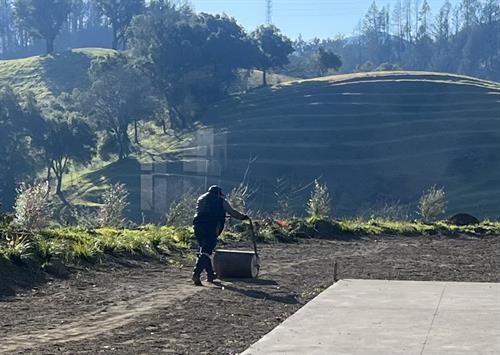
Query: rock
{"x": 463, "y": 219}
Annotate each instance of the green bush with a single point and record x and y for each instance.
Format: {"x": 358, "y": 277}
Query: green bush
{"x": 180, "y": 212}
{"x": 16, "y": 247}
{"x": 114, "y": 203}
{"x": 32, "y": 208}
{"x": 432, "y": 203}
{"x": 319, "y": 203}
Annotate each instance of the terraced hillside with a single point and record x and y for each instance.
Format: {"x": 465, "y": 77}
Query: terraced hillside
{"x": 373, "y": 137}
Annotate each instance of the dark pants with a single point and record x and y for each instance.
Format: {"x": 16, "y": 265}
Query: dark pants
{"x": 206, "y": 235}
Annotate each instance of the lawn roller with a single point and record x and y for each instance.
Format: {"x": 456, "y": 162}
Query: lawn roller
{"x": 238, "y": 264}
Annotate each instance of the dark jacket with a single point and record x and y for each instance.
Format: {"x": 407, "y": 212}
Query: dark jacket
{"x": 212, "y": 208}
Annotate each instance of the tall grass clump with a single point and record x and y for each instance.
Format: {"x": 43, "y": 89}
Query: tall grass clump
{"x": 32, "y": 210}
{"x": 319, "y": 204}
{"x": 239, "y": 196}
{"x": 15, "y": 247}
{"x": 389, "y": 211}
{"x": 288, "y": 197}
{"x": 114, "y": 203}
{"x": 432, "y": 203}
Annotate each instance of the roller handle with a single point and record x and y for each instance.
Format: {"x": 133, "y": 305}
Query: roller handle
{"x": 254, "y": 239}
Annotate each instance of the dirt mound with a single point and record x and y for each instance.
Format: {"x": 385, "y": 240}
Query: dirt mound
{"x": 463, "y": 219}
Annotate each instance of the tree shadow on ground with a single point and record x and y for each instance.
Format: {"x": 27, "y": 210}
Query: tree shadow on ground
{"x": 66, "y": 71}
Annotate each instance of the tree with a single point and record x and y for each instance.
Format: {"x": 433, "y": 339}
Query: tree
{"x": 192, "y": 59}
{"x": 167, "y": 41}
{"x": 327, "y": 60}
{"x": 442, "y": 23}
{"x": 62, "y": 135}
{"x": 407, "y": 21}
{"x": 67, "y": 141}
{"x": 372, "y": 24}
{"x": 424, "y": 15}
{"x": 5, "y": 25}
{"x": 275, "y": 49}
{"x": 469, "y": 10}
{"x": 120, "y": 14}
{"x": 16, "y": 159}
{"x": 42, "y": 18}
{"x": 118, "y": 96}
{"x": 490, "y": 12}
{"x": 227, "y": 48}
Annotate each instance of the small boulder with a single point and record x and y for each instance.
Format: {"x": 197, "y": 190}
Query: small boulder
{"x": 463, "y": 219}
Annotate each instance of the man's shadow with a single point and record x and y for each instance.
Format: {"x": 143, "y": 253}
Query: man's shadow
{"x": 258, "y": 294}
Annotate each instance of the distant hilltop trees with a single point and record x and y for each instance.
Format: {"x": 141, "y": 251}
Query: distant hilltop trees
{"x": 463, "y": 38}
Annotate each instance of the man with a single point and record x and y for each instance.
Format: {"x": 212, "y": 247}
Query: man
{"x": 211, "y": 209}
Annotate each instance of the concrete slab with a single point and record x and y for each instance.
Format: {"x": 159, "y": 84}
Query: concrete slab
{"x": 392, "y": 317}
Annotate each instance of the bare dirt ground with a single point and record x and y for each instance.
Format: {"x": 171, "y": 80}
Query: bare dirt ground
{"x": 149, "y": 307}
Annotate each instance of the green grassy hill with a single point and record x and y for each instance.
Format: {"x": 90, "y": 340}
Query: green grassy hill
{"x": 46, "y": 76}
{"x": 373, "y": 137}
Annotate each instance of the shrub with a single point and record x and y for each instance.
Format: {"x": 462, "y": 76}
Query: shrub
{"x": 86, "y": 217}
{"x": 287, "y": 197}
{"x": 239, "y": 196}
{"x": 391, "y": 211}
{"x": 432, "y": 203}
{"x": 16, "y": 247}
{"x": 114, "y": 203}
{"x": 32, "y": 208}
{"x": 319, "y": 203}
{"x": 388, "y": 67}
{"x": 180, "y": 212}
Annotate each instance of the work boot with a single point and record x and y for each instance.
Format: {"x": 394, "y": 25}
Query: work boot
{"x": 196, "y": 279}
{"x": 211, "y": 277}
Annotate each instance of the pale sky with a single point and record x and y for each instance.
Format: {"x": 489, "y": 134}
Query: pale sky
{"x": 311, "y": 18}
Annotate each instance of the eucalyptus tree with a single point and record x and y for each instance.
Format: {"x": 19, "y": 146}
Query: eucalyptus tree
{"x": 42, "y": 18}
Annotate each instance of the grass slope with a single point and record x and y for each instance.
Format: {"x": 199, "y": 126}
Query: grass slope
{"x": 50, "y": 75}
{"x": 373, "y": 137}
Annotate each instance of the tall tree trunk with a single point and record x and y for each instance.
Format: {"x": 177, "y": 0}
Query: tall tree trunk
{"x": 114, "y": 45}
{"x": 164, "y": 125}
{"x": 50, "y": 45}
{"x": 49, "y": 176}
{"x": 59, "y": 167}
{"x": 4, "y": 41}
{"x": 123, "y": 143}
{"x": 121, "y": 154}
{"x": 59, "y": 191}
{"x": 59, "y": 184}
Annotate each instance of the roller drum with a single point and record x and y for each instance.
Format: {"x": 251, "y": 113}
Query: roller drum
{"x": 236, "y": 264}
